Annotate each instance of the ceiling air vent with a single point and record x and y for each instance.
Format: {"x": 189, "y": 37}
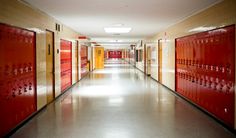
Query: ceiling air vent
{"x": 58, "y": 27}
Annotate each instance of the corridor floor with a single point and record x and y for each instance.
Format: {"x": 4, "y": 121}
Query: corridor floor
{"x": 121, "y": 102}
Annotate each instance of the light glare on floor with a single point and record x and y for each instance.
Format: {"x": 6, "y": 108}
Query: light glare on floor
{"x": 118, "y": 100}
{"x": 100, "y": 91}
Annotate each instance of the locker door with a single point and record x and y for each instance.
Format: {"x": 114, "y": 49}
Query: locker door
{"x": 84, "y": 60}
{"x": 50, "y": 65}
{"x": 77, "y": 61}
{"x": 66, "y": 62}
{"x": 17, "y": 76}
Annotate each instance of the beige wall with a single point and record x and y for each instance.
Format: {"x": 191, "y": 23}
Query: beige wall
{"x": 132, "y": 59}
{"x": 17, "y": 14}
{"x": 168, "y": 64}
{"x": 221, "y": 14}
{"x": 154, "y": 57}
{"x": 140, "y": 65}
{"x": 127, "y": 59}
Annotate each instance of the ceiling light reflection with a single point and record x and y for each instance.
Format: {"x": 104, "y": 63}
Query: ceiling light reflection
{"x": 117, "y": 101}
{"x": 100, "y": 91}
{"x": 117, "y": 133}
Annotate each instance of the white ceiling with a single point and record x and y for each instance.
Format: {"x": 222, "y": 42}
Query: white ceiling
{"x": 146, "y": 17}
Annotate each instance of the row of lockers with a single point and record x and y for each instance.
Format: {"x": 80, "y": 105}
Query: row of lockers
{"x": 217, "y": 71}
{"x": 17, "y": 76}
{"x": 84, "y": 60}
{"x": 66, "y": 64}
{"x": 18, "y": 97}
{"x": 115, "y": 54}
{"x": 207, "y": 47}
{"x": 205, "y": 71}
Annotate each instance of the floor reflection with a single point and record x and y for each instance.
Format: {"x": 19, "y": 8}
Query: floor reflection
{"x": 121, "y": 102}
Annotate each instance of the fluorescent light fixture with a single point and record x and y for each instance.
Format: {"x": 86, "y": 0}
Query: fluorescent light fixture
{"x": 116, "y": 41}
{"x": 120, "y": 30}
{"x": 202, "y": 29}
{"x": 105, "y": 44}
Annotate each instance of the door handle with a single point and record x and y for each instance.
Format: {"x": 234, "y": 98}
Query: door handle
{"x": 49, "y": 49}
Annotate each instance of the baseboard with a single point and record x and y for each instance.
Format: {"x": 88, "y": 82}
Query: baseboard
{"x": 201, "y": 109}
{"x": 12, "y": 131}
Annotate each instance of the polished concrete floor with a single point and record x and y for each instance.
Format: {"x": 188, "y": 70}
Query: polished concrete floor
{"x": 121, "y": 102}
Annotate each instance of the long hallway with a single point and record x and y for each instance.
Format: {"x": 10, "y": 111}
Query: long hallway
{"x": 119, "y": 101}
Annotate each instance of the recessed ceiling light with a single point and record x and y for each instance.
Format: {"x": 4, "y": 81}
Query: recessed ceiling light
{"x": 120, "y": 30}
{"x": 116, "y": 41}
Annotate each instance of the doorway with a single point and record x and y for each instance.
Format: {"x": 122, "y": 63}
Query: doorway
{"x": 145, "y": 58}
{"x": 149, "y": 60}
{"x": 160, "y": 61}
{"x": 99, "y": 57}
{"x": 50, "y": 65}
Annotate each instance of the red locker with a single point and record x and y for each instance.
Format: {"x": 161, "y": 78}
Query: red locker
{"x": 66, "y": 64}
{"x": 205, "y": 71}
{"x": 17, "y": 76}
{"x": 115, "y": 54}
{"x": 84, "y": 60}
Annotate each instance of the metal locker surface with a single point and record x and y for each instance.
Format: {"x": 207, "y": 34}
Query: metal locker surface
{"x": 208, "y": 67}
{"x": 66, "y": 64}
{"x": 84, "y": 60}
{"x": 17, "y": 101}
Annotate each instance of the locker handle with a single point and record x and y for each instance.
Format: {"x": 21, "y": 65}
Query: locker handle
{"x": 13, "y": 92}
{"x": 49, "y": 49}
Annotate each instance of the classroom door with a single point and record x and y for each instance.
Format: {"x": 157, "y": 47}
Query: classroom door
{"x": 50, "y": 65}
{"x": 149, "y": 60}
{"x": 99, "y": 57}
